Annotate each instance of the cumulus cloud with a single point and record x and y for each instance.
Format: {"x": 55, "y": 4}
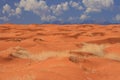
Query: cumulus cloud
{"x": 71, "y": 18}
{"x": 117, "y": 17}
{"x": 59, "y": 8}
{"x": 38, "y": 7}
{"x": 64, "y": 6}
{"x": 75, "y": 5}
{"x": 6, "y": 9}
{"x": 48, "y": 18}
{"x": 84, "y": 17}
{"x": 4, "y": 18}
{"x": 97, "y": 5}
{"x": 18, "y": 11}
{"x": 11, "y": 12}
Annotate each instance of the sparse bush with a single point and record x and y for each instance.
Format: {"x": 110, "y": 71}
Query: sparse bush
{"x": 25, "y": 77}
{"x": 95, "y": 49}
{"x": 50, "y": 54}
{"x": 112, "y": 56}
{"x": 21, "y": 54}
{"x": 74, "y": 59}
{"x": 98, "y": 50}
{"x": 24, "y": 54}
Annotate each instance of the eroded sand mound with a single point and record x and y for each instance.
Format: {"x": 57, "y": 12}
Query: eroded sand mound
{"x": 59, "y": 52}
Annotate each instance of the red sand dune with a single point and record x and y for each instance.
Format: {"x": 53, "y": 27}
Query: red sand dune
{"x": 60, "y": 39}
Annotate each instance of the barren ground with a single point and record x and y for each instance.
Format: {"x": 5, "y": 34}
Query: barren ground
{"x": 53, "y": 52}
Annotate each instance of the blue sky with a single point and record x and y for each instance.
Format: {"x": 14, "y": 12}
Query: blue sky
{"x": 59, "y": 11}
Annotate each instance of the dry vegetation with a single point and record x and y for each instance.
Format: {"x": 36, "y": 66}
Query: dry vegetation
{"x": 98, "y": 50}
{"x": 25, "y": 77}
{"x": 20, "y": 53}
{"x": 77, "y": 59}
{"x": 113, "y": 56}
{"x": 94, "y": 49}
{"x": 24, "y": 54}
{"x": 49, "y": 54}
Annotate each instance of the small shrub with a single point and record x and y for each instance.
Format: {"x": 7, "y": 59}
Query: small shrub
{"x": 112, "y": 56}
{"x": 95, "y": 49}
{"x": 21, "y": 53}
{"x": 74, "y": 59}
{"x": 25, "y": 77}
{"x": 24, "y": 54}
{"x": 49, "y": 54}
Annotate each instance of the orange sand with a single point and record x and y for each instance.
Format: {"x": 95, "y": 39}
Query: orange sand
{"x": 36, "y": 38}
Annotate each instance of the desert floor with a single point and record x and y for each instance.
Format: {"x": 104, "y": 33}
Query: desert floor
{"x": 59, "y": 52}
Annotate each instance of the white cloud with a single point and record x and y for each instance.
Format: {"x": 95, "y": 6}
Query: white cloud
{"x": 75, "y": 5}
{"x": 117, "y": 17}
{"x": 6, "y": 9}
{"x": 38, "y": 7}
{"x": 4, "y": 18}
{"x": 97, "y": 5}
{"x": 71, "y": 18}
{"x": 11, "y": 12}
{"x": 65, "y": 6}
{"x": 88, "y": 10}
{"x": 84, "y": 17}
{"x": 48, "y": 18}
{"x": 18, "y": 10}
{"x": 59, "y": 8}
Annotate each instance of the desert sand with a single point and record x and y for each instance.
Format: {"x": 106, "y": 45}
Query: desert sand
{"x": 59, "y": 52}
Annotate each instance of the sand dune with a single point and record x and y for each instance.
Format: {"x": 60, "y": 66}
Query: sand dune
{"x": 59, "y": 52}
